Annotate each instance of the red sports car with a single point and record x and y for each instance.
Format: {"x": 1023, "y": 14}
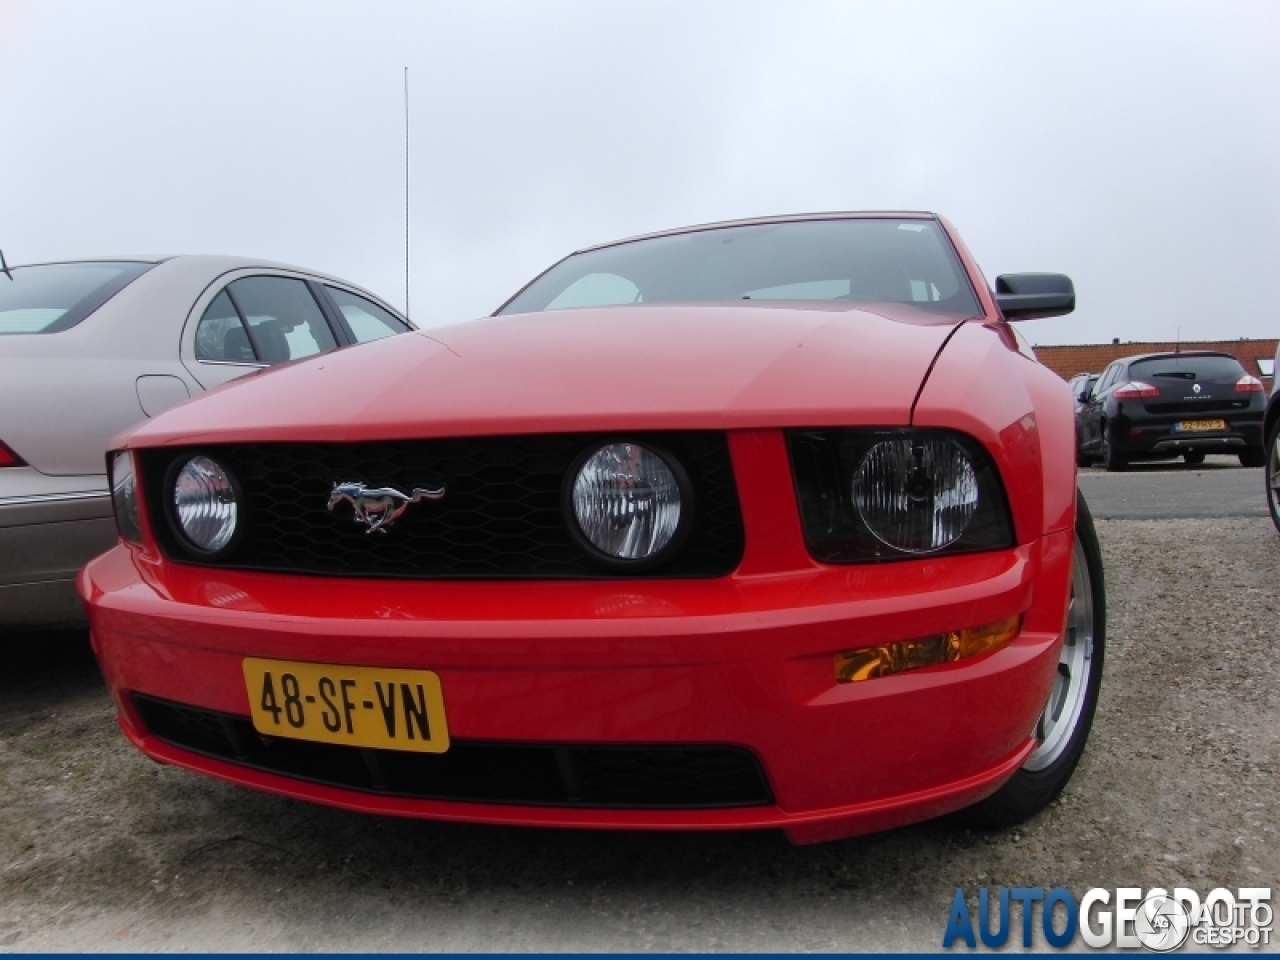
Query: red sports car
{"x": 765, "y": 524}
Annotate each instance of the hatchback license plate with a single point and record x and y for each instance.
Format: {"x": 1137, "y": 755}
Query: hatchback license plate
{"x": 1196, "y": 426}
{"x": 355, "y": 706}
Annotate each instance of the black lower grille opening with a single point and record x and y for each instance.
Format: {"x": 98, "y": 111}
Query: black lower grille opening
{"x": 637, "y": 777}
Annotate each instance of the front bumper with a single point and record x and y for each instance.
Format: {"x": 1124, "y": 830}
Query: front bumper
{"x": 745, "y": 660}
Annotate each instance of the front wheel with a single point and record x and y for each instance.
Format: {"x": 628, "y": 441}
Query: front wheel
{"x": 1064, "y": 725}
{"x": 1273, "y": 474}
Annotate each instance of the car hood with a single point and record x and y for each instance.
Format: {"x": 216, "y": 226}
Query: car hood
{"x": 642, "y": 367}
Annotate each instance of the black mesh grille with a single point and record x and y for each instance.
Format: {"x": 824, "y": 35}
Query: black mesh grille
{"x": 638, "y": 777}
{"x": 501, "y": 516}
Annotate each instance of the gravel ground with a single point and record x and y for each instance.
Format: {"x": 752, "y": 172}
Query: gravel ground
{"x": 102, "y": 850}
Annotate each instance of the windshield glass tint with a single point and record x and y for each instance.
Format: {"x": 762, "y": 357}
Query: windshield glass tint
{"x": 1188, "y": 367}
{"x": 54, "y": 296}
{"x": 862, "y": 260}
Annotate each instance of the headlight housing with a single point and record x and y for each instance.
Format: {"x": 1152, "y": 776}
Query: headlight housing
{"x": 628, "y": 504}
{"x": 124, "y": 494}
{"x": 204, "y": 501}
{"x": 874, "y": 495}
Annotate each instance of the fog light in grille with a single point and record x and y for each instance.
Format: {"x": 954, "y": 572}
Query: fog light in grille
{"x": 630, "y": 503}
{"x": 890, "y": 658}
{"x": 205, "y": 505}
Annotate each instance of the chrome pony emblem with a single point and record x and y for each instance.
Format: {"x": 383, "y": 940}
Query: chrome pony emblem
{"x": 378, "y": 507}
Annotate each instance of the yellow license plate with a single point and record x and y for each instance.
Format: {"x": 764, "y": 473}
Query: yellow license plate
{"x": 356, "y": 706}
{"x": 1194, "y": 426}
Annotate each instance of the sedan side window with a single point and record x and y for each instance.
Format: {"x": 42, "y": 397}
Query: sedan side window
{"x": 220, "y": 335}
{"x": 284, "y": 320}
{"x": 367, "y": 320}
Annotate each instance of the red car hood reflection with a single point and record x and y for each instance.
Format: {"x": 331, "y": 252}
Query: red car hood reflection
{"x": 683, "y": 366}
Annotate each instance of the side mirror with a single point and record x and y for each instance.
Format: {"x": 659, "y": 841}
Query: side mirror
{"x": 1027, "y": 296}
{"x": 1083, "y": 396}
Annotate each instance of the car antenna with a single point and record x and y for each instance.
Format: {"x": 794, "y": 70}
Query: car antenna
{"x": 406, "y": 193}
{"x": 4, "y": 266}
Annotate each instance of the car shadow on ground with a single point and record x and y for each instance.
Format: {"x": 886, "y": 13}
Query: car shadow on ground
{"x": 45, "y": 665}
{"x": 1174, "y": 466}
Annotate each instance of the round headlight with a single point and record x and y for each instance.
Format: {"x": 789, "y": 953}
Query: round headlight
{"x": 628, "y": 503}
{"x": 204, "y": 504}
{"x": 916, "y": 495}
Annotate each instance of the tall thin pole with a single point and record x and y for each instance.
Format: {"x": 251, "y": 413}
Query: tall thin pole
{"x": 406, "y": 192}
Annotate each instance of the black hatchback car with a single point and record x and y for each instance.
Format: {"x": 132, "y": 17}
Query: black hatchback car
{"x": 1161, "y": 405}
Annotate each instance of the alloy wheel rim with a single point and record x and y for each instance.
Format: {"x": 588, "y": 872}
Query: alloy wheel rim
{"x": 1062, "y": 712}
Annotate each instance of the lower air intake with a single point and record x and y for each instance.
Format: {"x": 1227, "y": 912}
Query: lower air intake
{"x": 571, "y": 775}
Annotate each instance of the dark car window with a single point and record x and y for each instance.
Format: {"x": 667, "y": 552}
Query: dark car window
{"x": 284, "y": 320}
{"x": 1187, "y": 367}
{"x": 1108, "y": 378}
{"x": 863, "y": 260}
{"x": 367, "y": 320}
{"x": 56, "y": 296}
{"x": 1087, "y": 384}
{"x": 220, "y": 334}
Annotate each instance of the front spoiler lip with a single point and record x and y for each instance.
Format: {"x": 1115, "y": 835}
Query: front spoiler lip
{"x": 811, "y": 826}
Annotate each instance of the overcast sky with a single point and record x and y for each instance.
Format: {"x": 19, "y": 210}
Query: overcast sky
{"x": 1133, "y": 145}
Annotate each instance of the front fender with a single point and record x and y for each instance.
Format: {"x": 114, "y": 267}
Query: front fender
{"x": 1021, "y": 411}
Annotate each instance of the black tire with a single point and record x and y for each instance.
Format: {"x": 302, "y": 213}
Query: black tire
{"x": 1193, "y": 456}
{"x": 1047, "y": 771}
{"x": 1112, "y": 459}
{"x": 1273, "y": 473}
{"x": 1255, "y": 457}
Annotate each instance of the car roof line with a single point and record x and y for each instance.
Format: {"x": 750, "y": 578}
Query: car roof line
{"x": 760, "y": 221}
{"x": 58, "y": 263}
{"x": 1180, "y": 353}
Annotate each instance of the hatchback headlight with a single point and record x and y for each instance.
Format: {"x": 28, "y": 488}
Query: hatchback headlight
{"x": 893, "y": 494}
{"x": 205, "y": 504}
{"x": 630, "y": 504}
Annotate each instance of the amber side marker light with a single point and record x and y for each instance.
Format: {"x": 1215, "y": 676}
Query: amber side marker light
{"x": 890, "y": 658}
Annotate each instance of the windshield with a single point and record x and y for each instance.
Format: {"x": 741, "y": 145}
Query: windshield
{"x": 54, "y": 296}
{"x": 863, "y": 260}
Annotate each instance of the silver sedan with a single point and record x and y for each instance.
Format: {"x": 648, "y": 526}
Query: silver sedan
{"x": 88, "y": 348}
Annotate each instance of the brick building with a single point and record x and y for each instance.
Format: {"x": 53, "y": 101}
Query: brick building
{"x": 1067, "y": 361}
